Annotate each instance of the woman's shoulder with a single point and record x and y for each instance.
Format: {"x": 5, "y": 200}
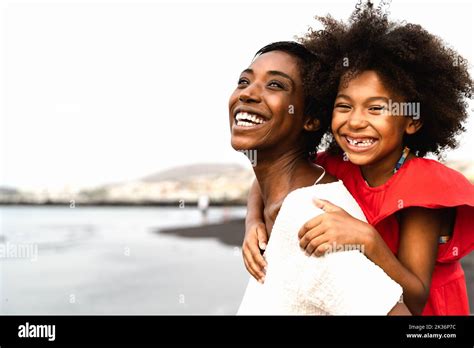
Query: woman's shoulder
{"x": 335, "y": 192}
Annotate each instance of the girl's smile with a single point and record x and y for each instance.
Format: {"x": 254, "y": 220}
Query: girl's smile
{"x": 360, "y": 143}
{"x": 362, "y": 125}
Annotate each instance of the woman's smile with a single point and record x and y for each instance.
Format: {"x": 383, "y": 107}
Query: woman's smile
{"x": 260, "y": 108}
{"x": 248, "y": 118}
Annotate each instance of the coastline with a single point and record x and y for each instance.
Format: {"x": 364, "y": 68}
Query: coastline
{"x": 175, "y": 204}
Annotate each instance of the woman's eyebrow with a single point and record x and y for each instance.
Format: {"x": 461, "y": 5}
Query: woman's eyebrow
{"x": 272, "y": 72}
{"x": 282, "y": 74}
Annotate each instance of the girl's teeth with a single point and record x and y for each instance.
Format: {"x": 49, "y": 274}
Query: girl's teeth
{"x": 361, "y": 143}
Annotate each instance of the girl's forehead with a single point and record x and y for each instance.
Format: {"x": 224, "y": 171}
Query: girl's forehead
{"x": 368, "y": 81}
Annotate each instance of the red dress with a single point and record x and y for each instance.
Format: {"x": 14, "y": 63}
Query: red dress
{"x": 426, "y": 183}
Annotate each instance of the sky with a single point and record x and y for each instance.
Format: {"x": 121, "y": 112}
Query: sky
{"x": 93, "y": 92}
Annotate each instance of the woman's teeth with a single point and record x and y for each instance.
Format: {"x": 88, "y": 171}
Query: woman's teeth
{"x": 248, "y": 120}
{"x": 363, "y": 142}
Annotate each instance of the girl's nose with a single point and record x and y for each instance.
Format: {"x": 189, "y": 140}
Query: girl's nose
{"x": 357, "y": 119}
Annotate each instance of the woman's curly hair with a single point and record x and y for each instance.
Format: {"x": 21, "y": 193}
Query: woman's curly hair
{"x": 412, "y": 63}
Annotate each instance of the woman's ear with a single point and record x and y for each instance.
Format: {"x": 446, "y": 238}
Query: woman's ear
{"x": 413, "y": 126}
{"x": 311, "y": 124}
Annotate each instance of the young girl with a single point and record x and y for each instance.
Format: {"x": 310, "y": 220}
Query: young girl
{"x": 269, "y": 113}
{"x": 399, "y": 94}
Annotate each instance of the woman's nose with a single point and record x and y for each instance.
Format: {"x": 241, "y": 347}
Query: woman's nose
{"x": 251, "y": 93}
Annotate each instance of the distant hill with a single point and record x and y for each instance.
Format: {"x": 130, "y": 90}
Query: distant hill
{"x": 223, "y": 183}
{"x": 192, "y": 171}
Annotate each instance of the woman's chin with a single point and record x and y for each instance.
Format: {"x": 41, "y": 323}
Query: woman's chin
{"x": 241, "y": 145}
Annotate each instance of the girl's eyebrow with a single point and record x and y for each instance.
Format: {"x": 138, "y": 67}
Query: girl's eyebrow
{"x": 377, "y": 98}
{"x": 344, "y": 96}
{"x": 272, "y": 72}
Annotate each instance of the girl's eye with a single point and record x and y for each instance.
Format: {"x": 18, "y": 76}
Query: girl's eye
{"x": 343, "y": 106}
{"x": 377, "y": 108}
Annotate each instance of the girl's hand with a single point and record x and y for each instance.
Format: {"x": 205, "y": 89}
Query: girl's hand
{"x": 255, "y": 240}
{"x": 334, "y": 229}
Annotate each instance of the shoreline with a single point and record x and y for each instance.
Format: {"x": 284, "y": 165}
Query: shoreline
{"x": 120, "y": 204}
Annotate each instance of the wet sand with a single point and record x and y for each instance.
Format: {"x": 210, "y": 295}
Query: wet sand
{"x": 230, "y": 232}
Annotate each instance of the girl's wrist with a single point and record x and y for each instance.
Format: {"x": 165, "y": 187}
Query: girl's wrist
{"x": 370, "y": 241}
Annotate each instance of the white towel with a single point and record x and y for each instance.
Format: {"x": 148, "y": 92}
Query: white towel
{"x": 338, "y": 283}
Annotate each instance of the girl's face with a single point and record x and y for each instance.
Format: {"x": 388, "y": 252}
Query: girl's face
{"x": 265, "y": 109}
{"x": 362, "y": 123}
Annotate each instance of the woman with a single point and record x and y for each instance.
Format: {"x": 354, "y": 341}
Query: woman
{"x": 271, "y": 112}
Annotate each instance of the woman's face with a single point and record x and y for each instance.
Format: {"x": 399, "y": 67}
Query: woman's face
{"x": 266, "y": 108}
{"x": 362, "y": 123}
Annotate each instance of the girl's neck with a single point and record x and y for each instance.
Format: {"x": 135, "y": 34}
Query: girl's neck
{"x": 378, "y": 173}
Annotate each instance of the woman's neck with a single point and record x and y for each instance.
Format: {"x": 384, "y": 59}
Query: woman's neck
{"x": 280, "y": 175}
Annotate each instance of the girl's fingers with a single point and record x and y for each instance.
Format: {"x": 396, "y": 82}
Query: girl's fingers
{"x": 309, "y": 225}
{"x": 327, "y": 206}
{"x": 310, "y": 235}
{"x": 321, "y": 249}
{"x": 314, "y": 244}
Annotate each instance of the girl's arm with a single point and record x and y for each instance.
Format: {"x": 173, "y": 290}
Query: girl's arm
{"x": 417, "y": 252}
{"x": 419, "y": 232}
{"x": 255, "y": 234}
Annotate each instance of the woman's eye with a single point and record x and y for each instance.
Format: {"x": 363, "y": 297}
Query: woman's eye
{"x": 243, "y": 81}
{"x": 275, "y": 84}
{"x": 343, "y": 106}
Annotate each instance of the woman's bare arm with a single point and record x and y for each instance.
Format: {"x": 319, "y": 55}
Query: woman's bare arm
{"x": 256, "y": 236}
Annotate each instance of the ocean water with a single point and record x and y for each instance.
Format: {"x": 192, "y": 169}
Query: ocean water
{"x": 89, "y": 260}
{"x": 113, "y": 260}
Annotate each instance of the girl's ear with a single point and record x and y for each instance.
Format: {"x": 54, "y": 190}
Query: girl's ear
{"x": 413, "y": 126}
{"x": 311, "y": 124}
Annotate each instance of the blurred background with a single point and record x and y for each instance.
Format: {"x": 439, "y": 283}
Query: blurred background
{"x": 114, "y": 138}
